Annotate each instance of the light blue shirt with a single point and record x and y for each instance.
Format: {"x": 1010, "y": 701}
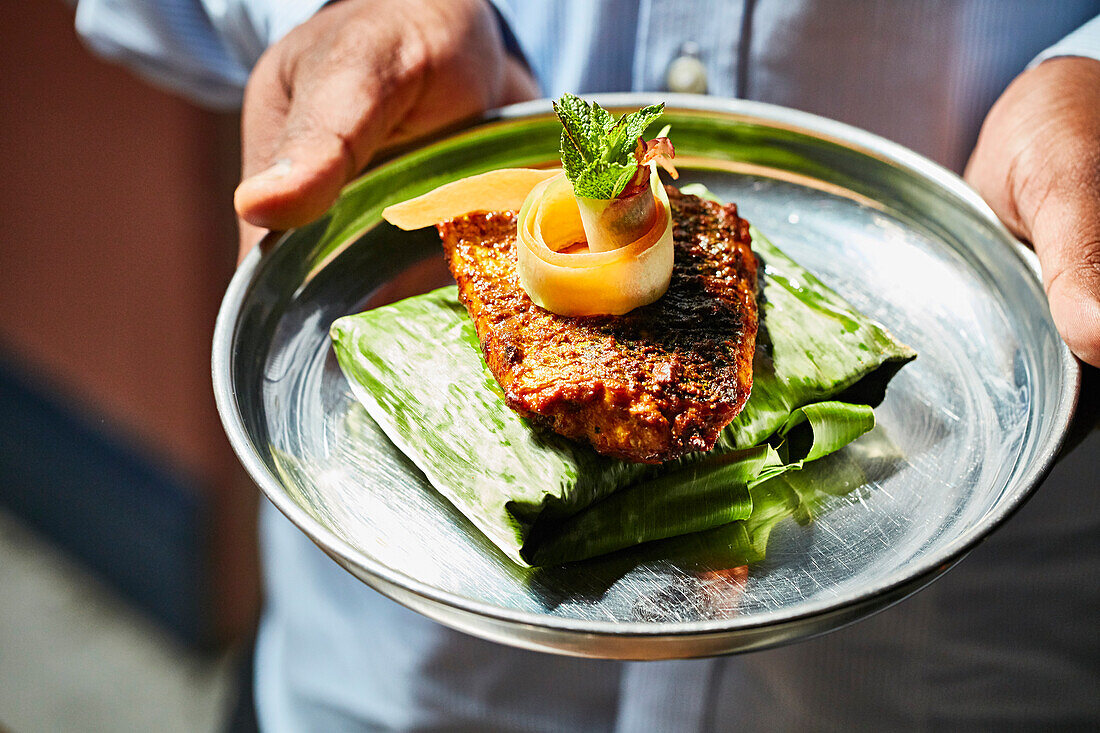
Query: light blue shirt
{"x": 203, "y": 49}
{"x": 991, "y": 642}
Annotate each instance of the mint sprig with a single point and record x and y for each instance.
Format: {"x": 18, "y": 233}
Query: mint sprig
{"x": 597, "y": 151}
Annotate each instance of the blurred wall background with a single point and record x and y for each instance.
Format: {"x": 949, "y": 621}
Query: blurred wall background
{"x": 116, "y": 243}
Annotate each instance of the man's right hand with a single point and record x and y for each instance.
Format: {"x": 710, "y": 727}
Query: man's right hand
{"x": 359, "y": 75}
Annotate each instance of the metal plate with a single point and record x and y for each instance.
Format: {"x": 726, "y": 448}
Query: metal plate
{"x": 976, "y": 420}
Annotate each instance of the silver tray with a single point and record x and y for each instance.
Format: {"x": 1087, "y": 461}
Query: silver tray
{"x": 971, "y": 426}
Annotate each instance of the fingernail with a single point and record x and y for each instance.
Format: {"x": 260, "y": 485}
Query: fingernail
{"x": 281, "y": 168}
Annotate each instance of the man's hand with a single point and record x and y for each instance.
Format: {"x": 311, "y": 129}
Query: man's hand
{"x": 1037, "y": 163}
{"x": 359, "y": 75}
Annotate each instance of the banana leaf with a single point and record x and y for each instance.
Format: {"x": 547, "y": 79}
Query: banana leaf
{"x": 721, "y": 554}
{"x": 700, "y": 495}
{"x": 416, "y": 366}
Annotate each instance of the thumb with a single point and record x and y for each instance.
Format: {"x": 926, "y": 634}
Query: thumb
{"x": 1037, "y": 163}
{"x": 1057, "y": 196}
{"x": 328, "y": 135}
{"x": 355, "y": 77}
{"x": 1065, "y": 231}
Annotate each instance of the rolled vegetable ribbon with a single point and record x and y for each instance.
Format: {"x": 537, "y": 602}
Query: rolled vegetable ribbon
{"x": 500, "y": 190}
{"x": 613, "y": 223}
{"x": 561, "y": 273}
{"x": 558, "y": 265}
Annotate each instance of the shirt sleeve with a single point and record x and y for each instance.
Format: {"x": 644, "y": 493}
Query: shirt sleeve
{"x": 1085, "y": 41}
{"x": 506, "y": 21}
{"x": 202, "y": 49}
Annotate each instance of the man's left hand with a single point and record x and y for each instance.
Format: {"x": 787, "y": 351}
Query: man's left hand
{"x": 1037, "y": 163}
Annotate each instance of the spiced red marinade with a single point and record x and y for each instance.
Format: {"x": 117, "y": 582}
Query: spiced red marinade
{"x": 647, "y": 386}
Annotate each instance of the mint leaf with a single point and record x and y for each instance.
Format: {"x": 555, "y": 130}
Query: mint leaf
{"x": 597, "y": 151}
{"x": 580, "y": 136}
{"x": 603, "y": 180}
{"x": 625, "y": 137}
{"x": 572, "y": 159}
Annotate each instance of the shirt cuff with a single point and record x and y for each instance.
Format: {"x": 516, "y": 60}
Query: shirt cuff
{"x": 286, "y": 15}
{"x": 1085, "y": 41}
{"x": 201, "y": 49}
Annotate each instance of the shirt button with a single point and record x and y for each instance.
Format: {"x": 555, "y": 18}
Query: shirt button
{"x": 687, "y": 74}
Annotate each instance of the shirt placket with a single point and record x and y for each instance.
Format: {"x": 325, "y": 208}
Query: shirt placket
{"x": 667, "y": 31}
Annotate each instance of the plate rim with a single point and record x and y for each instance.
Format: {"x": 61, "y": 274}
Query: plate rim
{"x": 776, "y": 116}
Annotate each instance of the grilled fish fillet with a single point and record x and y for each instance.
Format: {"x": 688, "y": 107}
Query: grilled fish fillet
{"x": 647, "y": 386}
